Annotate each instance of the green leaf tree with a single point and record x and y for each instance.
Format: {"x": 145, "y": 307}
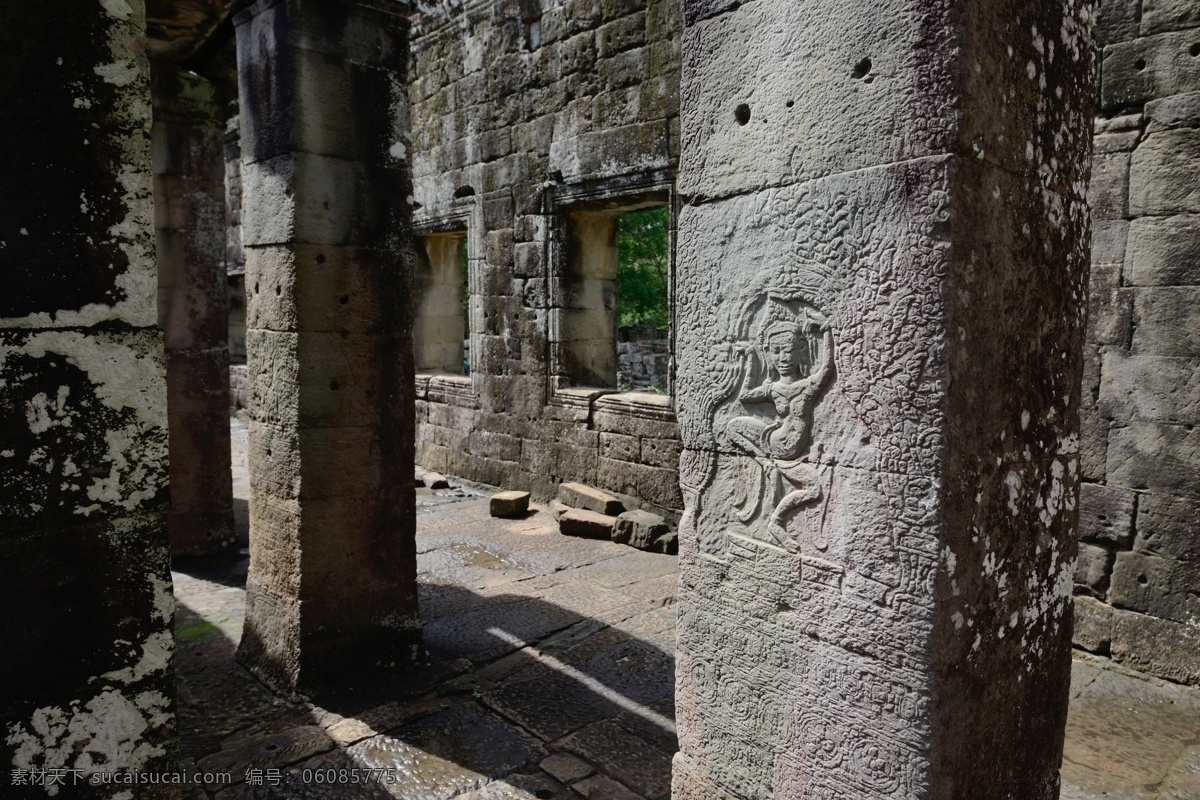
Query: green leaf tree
{"x": 643, "y": 242}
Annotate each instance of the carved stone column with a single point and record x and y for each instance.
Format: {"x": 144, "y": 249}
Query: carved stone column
{"x": 882, "y": 277}
{"x": 85, "y": 679}
{"x": 327, "y": 241}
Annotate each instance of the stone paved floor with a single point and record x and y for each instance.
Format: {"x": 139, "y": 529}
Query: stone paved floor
{"x": 550, "y": 676}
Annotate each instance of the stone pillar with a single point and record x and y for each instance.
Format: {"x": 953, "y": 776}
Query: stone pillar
{"x": 235, "y": 261}
{"x": 189, "y": 195}
{"x": 882, "y": 274}
{"x": 327, "y": 241}
{"x": 85, "y": 680}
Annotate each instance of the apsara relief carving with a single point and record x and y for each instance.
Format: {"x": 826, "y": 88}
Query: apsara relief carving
{"x": 781, "y": 374}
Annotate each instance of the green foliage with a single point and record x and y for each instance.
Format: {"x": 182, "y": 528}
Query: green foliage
{"x": 642, "y": 256}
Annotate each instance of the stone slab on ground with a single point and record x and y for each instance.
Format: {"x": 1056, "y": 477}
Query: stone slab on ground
{"x": 509, "y": 504}
{"x": 626, "y": 756}
{"x": 1129, "y": 735}
{"x": 586, "y": 524}
{"x": 435, "y": 480}
{"x": 566, "y": 767}
{"x": 576, "y": 495}
{"x": 640, "y": 529}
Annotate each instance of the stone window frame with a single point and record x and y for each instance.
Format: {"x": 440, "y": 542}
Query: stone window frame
{"x": 457, "y": 390}
{"x": 620, "y": 194}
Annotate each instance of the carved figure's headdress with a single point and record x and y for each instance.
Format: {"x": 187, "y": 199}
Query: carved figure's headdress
{"x": 790, "y": 316}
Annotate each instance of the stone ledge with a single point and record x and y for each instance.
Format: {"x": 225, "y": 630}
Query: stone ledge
{"x": 454, "y": 390}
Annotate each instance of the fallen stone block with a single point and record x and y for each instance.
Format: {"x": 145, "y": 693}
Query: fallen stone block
{"x": 586, "y": 524}
{"x": 558, "y": 509}
{"x": 435, "y": 480}
{"x": 576, "y": 495}
{"x": 668, "y": 543}
{"x": 509, "y": 504}
{"x": 640, "y": 529}
{"x": 419, "y": 477}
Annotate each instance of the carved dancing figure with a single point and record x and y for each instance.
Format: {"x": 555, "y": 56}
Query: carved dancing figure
{"x": 799, "y": 352}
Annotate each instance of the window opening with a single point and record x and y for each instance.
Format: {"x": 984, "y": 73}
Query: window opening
{"x": 614, "y": 330}
{"x": 441, "y": 324}
{"x": 643, "y": 316}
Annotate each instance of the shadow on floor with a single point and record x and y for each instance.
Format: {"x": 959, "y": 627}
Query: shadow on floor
{"x": 520, "y": 698}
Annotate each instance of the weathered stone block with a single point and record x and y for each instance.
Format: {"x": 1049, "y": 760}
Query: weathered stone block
{"x": 490, "y": 471}
{"x": 508, "y": 504}
{"x": 1164, "y": 251}
{"x": 1161, "y": 647}
{"x": 617, "y": 476}
{"x": 727, "y": 154}
{"x": 1159, "y": 179}
{"x": 499, "y": 446}
{"x": 586, "y": 524}
{"x": 1109, "y": 238}
{"x": 1167, "y": 322}
{"x": 500, "y": 249}
{"x": 1106, "y": 514}
{"x": 1092, "y": 568}
{"x": 435, "y": 480}
{"x": 1093, "y": 445}
{"x": 1110, "y": 307}
{"x": 1108, "y": 193}
{"x": 622, "y": 34}
{"x": 1093, "y": 624}
{"x": 607, "y": 153}
{"x": 271, "y": 217}
{"x": 1150, "y": 388}
{"x": 659, "y": 486}
{"x": 1156, "y": 456}
{"x": 1149, "y": 67}
{"x": 1176, "y": 111}
{"x": 1118, "y": 21}
{"x": 610, "y": 418}
{"x": 580, "y": 496}
{"x": 661, "y": 453}
{"x": 1116, "y": 142}
{"x": 623, "y": 76}
{"x": 620, "y": 447}
{"x": 1162, "y": 587}
{"x": 1169, "y": 527}
{"x": 639, "y": 529}
{"x": 1168, "y": 15}
{"x": 1090, "y": 388}
{"x": 527, "y": 259}
{"x": 328, "y": 91}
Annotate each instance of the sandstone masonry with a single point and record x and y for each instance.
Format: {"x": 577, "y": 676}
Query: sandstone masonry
{"x": 534, "y": 125}
{"x": 1138, "y": 576}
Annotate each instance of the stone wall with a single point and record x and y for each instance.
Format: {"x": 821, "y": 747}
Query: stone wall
{"x": 1138, "y": 576}
{"x": 644, "y": 364}
{"x": 85, "y": 680}
{"x": 529, "y": 116}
